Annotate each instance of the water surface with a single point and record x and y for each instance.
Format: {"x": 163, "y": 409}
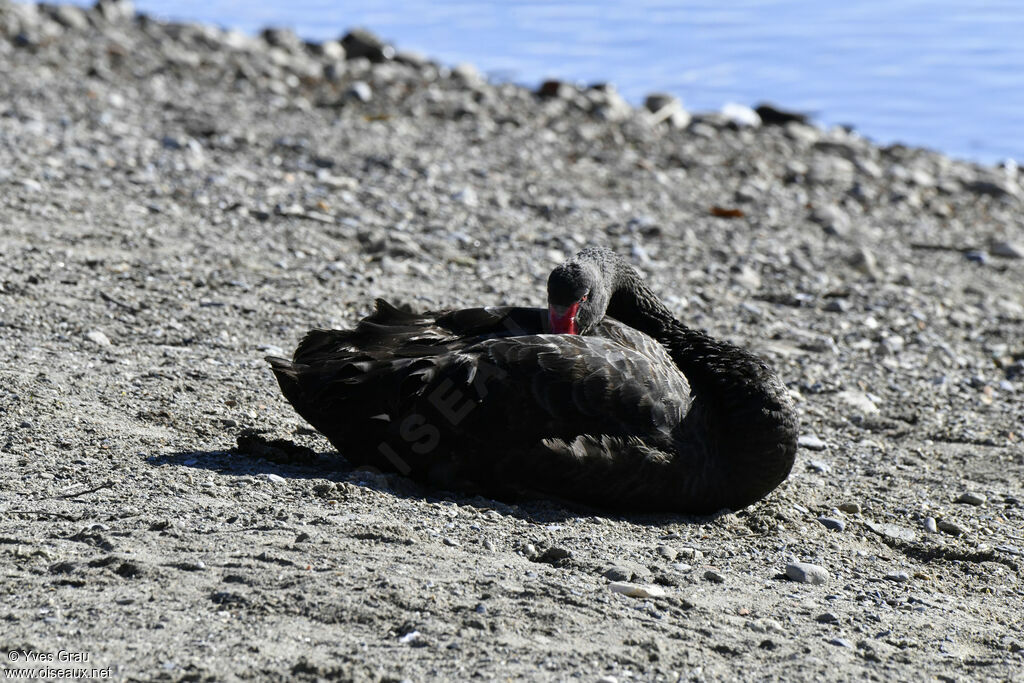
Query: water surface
{"x": 943, "y": 74}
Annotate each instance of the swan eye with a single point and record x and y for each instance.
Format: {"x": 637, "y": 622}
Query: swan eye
{"x": 584, "y": 297}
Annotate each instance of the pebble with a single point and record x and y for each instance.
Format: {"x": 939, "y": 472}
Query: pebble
{"x": 951, "y": 528}
{"x": 607, "y": 679}
{"x": 656, "y": 102}
{"x": 831, "y": 169}
{"x": 827, "y": 618}
{"x": 774, "y": 116}
{"x": 360, "y": 43}
{"x": 636, "y": 590}
{"x": 841, "y": 642}
{"x": 897, "y": 577}
{"x": 98, "y": 338}
{"x": 850, "y": 508}
{"x": 467, "y": 73}
{"x": 668, "y": 553}
{"x": 858, "y": 401}
{"x": 971, "y": 498}
{"x": 818, "y": 466}
{"x": 863, "y": 259}
{"x": 803, "y": 572}
{"x": 690, "y": 554}
{"x": 1005, "y": 249}
{"x": 976, "y": 256}
{"x": 667, "y": 108}
{"x": 273, "y": 478}
{"x": 810, "y": 442}
{"x": 624, "y": 571}
{"x": 554, "y": 555}
{"x": 929, "y": 525}
{"x": 555, "y": 89}
{"x": 836, "y": 306}
{"x": 833, "y": 219}
{"x": 71, "y": 17}
{"x": 360, "y": 91}
{"x": 832, "y": 524}
{"x": 413, "y": 638}
{"x": 714, "y": 576}
{"x": 893, "y": 531}
{"x": 741, "y": 115}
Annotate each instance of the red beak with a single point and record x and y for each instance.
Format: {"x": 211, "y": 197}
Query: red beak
{"x": 563, "y": 318}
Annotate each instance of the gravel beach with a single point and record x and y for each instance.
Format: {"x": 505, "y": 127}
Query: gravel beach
{"x": 177, "y": 202}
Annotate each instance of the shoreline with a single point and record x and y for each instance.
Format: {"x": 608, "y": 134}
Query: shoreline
{"x": 179, "y": 202}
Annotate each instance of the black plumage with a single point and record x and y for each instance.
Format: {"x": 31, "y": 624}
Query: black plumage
{"x": 636, "y": 412}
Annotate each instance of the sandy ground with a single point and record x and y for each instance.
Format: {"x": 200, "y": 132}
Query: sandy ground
{"x": 177, "y": 202}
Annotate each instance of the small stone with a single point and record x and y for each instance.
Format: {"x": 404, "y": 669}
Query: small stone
{"x": 98, "y": 338}
{"x": 690, "y": 554}
{"x": 834, "y": 220}
{"x": 668, "y": 553}
{"x": 741, "y": 115}
{"x": 976, "y": 256}
{"x": 951, "y": 528}
{"x": 818, "y": 466}
{"x": 893, "y": 531}
{"x": 332, "y": 49}
{"x": 859, "y": 401}
{"x": 971, "y": 498}
{"x": 837, "y": 306}
{"x": 827, "y": 618}
{"x": 71, "y": 17}
{"x": 359, "y": 91}
{"x": 636, "y": 590}
{"x": 116, "y": 11}
{"x": 467, "y": 73}
{"x": 413, "y": 638}
{"x": 850, "y": 508}
{"x": 466, "y": 196}
{"x": 831, "y": 169}
{"x": 273, "y": 478}
{"x": 555, "y": 89}
{"x": 930, "y": 525}
{"x": 803, "y": 572}
{"x": 864, "y": 260}
{"x": 488, "y": 545}
{"x": 667, "y": 108}
{"x": 832, "y": 524}
{"x": 714, "y": 576}
{"x": 554, "y": 555}
{"x": 810, "y": 442}
{"x": 774, "y": 116}
{"x": 897, "y": 577}
{"x": 994, "y": 188}
{"x": 625, "y": 571}
{"x": 283, "y": 38}
{"x": 360, "y": 43}
{"x": 607, "y": 679}
{"x": 1004, "y": 249}
{"x": 841, "y": 642}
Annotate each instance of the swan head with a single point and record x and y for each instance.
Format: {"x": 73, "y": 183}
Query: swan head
{"x": 579, "y": 291}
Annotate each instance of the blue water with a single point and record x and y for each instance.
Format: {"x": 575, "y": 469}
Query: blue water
{"x": 945, "y": 74}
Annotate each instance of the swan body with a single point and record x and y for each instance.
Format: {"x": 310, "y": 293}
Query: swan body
{"x": 629, "y": 410}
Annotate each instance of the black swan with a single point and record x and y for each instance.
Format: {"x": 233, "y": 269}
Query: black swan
{"x": 603, "y": 398}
